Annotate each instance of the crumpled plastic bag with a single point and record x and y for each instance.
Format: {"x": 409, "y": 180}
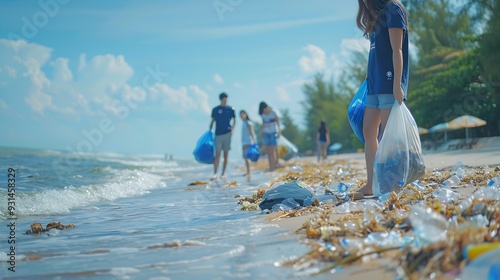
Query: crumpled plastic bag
{"x": 399, "y": 159}
{"x": 280, "y": 193}
{"x": 204, "y": 151}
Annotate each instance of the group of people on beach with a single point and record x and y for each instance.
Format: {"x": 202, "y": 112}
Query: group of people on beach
{"x": 224, "y": 118}
{"x": 385, "y": 24}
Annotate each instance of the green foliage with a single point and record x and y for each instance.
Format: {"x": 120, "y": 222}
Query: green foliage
{"x": 447, "y": 80}
{"x": 456, "y": 72}
{"x": 290, "y": 130}
{"x": 490, "y": 44}
{"x": 324, "y": 102}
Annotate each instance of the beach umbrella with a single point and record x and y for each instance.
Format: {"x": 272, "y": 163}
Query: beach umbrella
{"x": 422, "y": 130}
{"x": 467, "y": 121}
{"x": 443, "y": 127}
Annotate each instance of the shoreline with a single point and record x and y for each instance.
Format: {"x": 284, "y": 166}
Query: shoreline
{"x": 487, "y": 158}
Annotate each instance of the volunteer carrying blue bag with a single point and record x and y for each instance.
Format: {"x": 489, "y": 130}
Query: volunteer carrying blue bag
{"x": 204, "y": 151}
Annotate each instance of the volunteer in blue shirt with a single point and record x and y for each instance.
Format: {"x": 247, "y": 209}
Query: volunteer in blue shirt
{"x": 222, "y": 116}
{"x": 385, "y": 23}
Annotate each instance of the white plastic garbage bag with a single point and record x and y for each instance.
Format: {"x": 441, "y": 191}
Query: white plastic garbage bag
{"x": 399, "y": 159}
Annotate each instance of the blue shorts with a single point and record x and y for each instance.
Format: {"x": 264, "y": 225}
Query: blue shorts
{"x": 269, "y": 139}
{"x": 379, "y": 101}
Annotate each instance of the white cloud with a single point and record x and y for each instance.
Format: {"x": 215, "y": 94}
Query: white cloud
{"x": 314, "y": 61}
{"x": 201, "y": 99}
{"x": 238, "y": 85}
{"x": 282, "y": 94}
{"x": 354, "y": 45}
{"x": 93, "y": 88}
{"x": 182, "y": 99}
{"x": 37, "y": 99}
{"x": 218, "y": 79}
{"x": 61, "y": 69}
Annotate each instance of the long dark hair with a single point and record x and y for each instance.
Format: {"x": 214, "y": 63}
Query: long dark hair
{"x": 369, "y": 13}
{"x": 322, "y": 127}
{"x": 246, "y": 114}
{"x": 262, "y": 106}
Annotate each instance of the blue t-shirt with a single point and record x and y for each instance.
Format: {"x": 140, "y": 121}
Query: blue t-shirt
{"x": 223, "y": 116}
{"x": 380, "y": 67}
{"x": 246, "y": 136}
{"x": 269, "y": 122}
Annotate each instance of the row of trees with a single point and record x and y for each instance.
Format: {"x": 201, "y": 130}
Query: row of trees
{"x": 456, "y": 71}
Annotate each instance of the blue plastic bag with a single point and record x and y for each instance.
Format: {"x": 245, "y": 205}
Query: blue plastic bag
{"x": 280, "y": 193}
{"x": 253, "y": 153}
{"x": 356, "y": 111}
{"x": 204, "y": 151}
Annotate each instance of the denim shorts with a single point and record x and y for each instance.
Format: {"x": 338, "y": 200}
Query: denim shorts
{"x": 270, "y": 139}
{"x": 380, "y": 101}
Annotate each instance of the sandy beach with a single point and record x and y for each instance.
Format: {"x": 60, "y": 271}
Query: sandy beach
{"x": 486, "y": 156}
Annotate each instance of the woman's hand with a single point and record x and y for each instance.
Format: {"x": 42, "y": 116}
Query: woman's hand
{"x": 399, "y": 94}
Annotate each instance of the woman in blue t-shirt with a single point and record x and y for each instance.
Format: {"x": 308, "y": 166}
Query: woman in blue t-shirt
{"x": 385, "y": 23}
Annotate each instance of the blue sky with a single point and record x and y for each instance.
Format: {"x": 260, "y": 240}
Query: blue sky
{"x": 142, "y": 76}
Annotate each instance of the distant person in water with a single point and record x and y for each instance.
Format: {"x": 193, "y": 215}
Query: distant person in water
{"x": 322, "y": 140}
{"x": 222, "y": 116}
{"x": 247, "y": 137}
{"x": 269, "y": 133}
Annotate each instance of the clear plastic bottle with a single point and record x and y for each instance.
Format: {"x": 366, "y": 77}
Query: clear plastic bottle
{"x": 429, "y": 226}
{"x": 451, "y": 182}
{"x": 494, "y": 182}
{"x": 446, "y": 196}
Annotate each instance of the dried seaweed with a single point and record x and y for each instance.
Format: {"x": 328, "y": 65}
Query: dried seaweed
{"x": 324, "y": 234}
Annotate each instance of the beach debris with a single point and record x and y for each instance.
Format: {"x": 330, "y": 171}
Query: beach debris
{"x": 36, "y": 227}
{"x": 197, "y": 182}
{"x": 232, "y": 184}
{"x": 423, "y": 228}
{"x": 283, "y": 193}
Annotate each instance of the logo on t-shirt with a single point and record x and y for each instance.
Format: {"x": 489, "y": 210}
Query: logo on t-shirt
{"x": 389, "y": 75}
{"x": 220, "y": 111}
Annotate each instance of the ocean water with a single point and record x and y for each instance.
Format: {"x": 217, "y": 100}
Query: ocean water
{"x": 136, "y": 217}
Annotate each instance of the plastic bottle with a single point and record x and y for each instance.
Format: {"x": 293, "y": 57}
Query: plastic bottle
{"x": 343, "y": 188}
{"x": 429, "y": 226}
{"x": 473, "y": 251}
{"x": 494, "y": 182}
{"x": 446, "y": 196}
{"x": 351, "y": 245}
{"x": 451, "y": 182}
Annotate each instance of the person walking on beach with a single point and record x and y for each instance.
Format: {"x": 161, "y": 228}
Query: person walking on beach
{"x": 247, "y": 137}
{"x": 269, "y": 133}
{"x": 222, "y": 116}
{"x": 385, "y": 23}
{"x": 323, "y": 140}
